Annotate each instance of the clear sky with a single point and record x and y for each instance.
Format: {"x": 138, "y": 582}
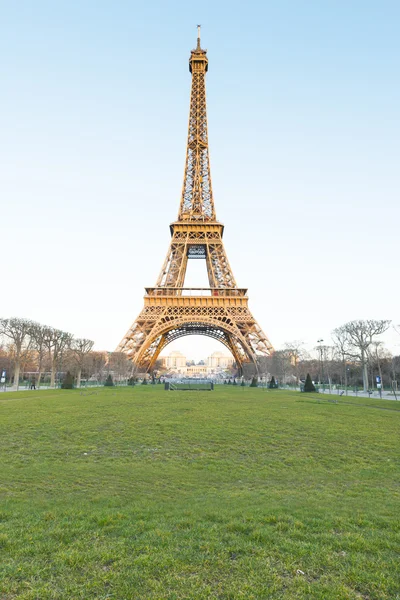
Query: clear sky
{"x": 304, "y": 129}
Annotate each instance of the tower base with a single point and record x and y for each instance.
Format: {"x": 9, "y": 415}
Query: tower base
{"x": 170, "y": 313}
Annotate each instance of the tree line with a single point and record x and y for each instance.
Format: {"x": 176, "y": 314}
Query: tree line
{"x": 355, "y": 356}
{"x": 28, "y": 347}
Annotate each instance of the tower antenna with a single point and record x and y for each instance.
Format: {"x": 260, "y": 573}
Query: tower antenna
{"x": 198, "y": 36}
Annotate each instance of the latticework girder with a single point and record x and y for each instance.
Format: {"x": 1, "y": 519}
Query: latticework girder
{"x": 170, "y": 311}
{"x": 197, "y": 199}
{"x": 196, "y": 241}
{"x": 164, "y": 318}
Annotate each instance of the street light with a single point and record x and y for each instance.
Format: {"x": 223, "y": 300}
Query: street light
{"x": 322, "y": 362}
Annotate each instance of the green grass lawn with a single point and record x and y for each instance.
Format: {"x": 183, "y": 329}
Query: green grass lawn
{"x": 238, "y": 493}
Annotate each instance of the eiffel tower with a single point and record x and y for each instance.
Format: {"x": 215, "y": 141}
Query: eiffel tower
{"x": 171, "y": 311}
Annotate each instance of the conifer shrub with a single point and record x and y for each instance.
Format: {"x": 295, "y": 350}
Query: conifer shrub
{"x": 234, "y": 382}
{"x": 254, "y": 382}
{"x": 243, "y": 383}
{"x": 272, "y": 383}
{"x": 68, "y": 382}
{"x": 144, "y": 382}
{"x": 309, "y": 386}
{"x": 109, "y": 381}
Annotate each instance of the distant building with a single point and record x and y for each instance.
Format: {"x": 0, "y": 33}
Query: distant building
{"x": 220, "y": 360}
{"x": 175, "y": 361}
{"x": 197, "y": 371}
{"x": 216, "y": 364}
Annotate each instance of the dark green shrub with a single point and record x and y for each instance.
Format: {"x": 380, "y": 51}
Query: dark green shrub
{"x": 272, "y": 383}
{"x": 68, "y": 382}
{"x": 254, "y": 382}
{"x": 309, "y": 386}
{"x": 109, "y": 381}
{"x": 144, "y": 382}
{"x": 234, "y": 382}
{"x": 243, "y": 383}
{"x": 131, "y": 381}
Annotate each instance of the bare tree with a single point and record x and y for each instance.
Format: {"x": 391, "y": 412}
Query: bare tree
{"x": 120, "y": 365}
{"x": 38, "y": 335}
{"x": 395, "y": 368}
{"x": 263, "y": 367}
{"x": 281, "y": 365}
{"x": 380, "y": 357}
{"x": 329, "y": 360}
{"x": 56, "y": 342}
{"x": 18, "y": 331}
{"x": 295, "y": 352}
{"x": 80, "y": 349}
{"x": 361, "y": 334}
{"x": 249, "y": 370}
{"x": 5, "y": 358}
{"x": 95, "y": 364}
{"x": 342, "y": 345}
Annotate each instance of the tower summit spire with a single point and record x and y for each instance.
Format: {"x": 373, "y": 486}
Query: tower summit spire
{"x": 198, "y": 37}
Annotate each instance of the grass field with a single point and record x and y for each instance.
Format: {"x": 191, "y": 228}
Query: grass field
{"x": 237, "y": 493}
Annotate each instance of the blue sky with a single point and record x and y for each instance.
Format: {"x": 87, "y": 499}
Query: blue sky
{"x": 304, "y": 129}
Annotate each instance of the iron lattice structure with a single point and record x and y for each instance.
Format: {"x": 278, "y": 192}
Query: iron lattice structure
{"x": 170, "y": 310}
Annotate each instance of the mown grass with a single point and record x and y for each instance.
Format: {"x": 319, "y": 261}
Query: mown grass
{"x": 236, "y": 493}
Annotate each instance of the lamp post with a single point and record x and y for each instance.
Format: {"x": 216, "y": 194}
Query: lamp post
{"x": 60, "y": 371}
{"x": 108, "y": 363}
{"x": 322, "y": 362}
